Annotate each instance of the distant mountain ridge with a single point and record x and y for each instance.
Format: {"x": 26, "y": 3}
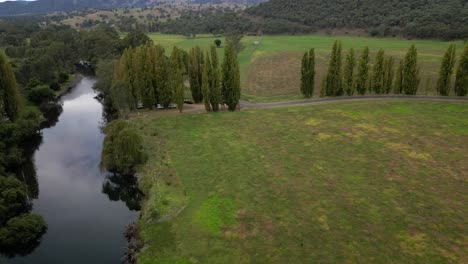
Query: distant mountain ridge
{"x": 10, "y": 8}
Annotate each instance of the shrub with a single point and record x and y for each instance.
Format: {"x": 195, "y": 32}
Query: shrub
{"x": 40, "y": 95}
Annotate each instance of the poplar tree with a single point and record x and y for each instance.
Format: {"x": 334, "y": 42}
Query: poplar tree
{"x": 177, "y": 77}
{"x": 215, "y": 84}
{"x": 305, "y": 79}
{"x": 461, "y": 82}
{"x": 165, "y": 92}
{"x": 446, "y": 71}
{"x": 377, "y": 81}
{"x": 389, "y": 74}
{"x": 195, "y": 73}
{"x": 312, "y": 72}
{"x": 206, "y": 83}
{"x": 363, "y": 72}
{"x": 411, "y": 72}
{"x": 348, "y": 82}
{"x": 308, "y": 74}
{"x": 398, "y": 89}
{"x": 10, "y": 100}
{"x": 230, "y": 78}
{"x": 333, "y": 83}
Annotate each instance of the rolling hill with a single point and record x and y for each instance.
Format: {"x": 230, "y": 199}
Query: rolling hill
{"x": 417, "y": 18}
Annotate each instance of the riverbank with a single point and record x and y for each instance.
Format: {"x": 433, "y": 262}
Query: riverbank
{"x": 336, "y": 181}
{"x": 69, "y": 85}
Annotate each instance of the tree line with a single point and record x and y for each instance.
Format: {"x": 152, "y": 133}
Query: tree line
{"x": 19, "y": 229}
{"x": 144, "y": 77}
{"x": 358, "y": 76}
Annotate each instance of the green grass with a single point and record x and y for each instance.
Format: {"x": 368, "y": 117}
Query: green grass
{"x": 270, "y": 72}
{"x": 361, "y": 182}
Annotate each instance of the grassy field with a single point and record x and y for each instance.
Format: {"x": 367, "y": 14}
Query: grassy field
{"x": 357, "y": 182}
{"x": 271, "y": 71}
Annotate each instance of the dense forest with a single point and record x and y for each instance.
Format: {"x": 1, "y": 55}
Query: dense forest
{"x": 412, "y": 18}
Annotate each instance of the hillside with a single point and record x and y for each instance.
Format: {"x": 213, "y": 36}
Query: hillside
{"x": 416, "y": 18}
{"x": 49, "y": 6}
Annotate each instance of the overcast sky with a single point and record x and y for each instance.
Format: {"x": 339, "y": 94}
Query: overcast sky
{"x": 13, "y": 0}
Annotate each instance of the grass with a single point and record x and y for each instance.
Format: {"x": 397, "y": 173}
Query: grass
{"x": 361, "y": 182}
{"x": 271, "y": 71}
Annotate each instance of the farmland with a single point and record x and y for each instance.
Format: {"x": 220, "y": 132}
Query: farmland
{"x": 374, "y": 181}
{"x": 271, "y": 70}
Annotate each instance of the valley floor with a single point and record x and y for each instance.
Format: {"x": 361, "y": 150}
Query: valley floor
{"x": 370, "y": 181}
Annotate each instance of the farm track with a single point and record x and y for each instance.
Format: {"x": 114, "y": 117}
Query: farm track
{"x": 245, "y": 104}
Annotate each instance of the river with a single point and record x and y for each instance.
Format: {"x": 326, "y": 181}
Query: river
{"x": 85, "y": 220}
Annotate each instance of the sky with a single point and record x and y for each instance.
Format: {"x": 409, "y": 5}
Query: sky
{"x": 14, "y": 0}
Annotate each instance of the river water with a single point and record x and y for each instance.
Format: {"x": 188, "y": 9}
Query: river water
{"x": 83, "y": 209}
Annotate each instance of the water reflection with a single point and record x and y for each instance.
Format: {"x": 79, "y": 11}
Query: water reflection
{"x": 84, "y": 225}
{"x": 123, "y": 188}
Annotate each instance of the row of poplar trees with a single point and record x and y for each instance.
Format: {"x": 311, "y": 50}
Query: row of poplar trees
{"x": 382, "y": 77}
{"x": 211, "y": 84}
{"x": 144, "y": 77}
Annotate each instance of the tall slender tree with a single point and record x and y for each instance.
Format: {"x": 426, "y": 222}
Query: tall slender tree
{"x": 231, "y": 78}
{"x": 195, "y": 73}
{"x": 348, "y": 82}
{"x": 305, "y": 74}
{"x": 363, "y": 72}
{"x": 446, "y": 71}
{"x": 411, "y": 72}
{"x": 333, "y": 83}
{"x": 206, "y": 83}
{"x": 308, "y": 74}
{"x": 398, "y": 88}
{"x": 177, "y": 77}
{"x": 377, "y": 80}
{"x": 10, "y": 99}
{"x": 215, "y": 83}
{"x": 389, "y": 74}
{"x": 461, "y": 82}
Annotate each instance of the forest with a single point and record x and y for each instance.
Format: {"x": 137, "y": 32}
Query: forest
{"x": 416, "y": 18}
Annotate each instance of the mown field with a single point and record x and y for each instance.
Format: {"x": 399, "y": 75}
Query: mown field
{"x": 271, "y": 71}
{"x": 358, "y": 182}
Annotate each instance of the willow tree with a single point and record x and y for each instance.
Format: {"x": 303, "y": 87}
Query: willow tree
{"x": 377, "y": 80}
{"x": 10, "y": 99}
{"x": 333, "y": 85}
{"x": 411, "y": 72}
{"x": 308, "y": 74}
{"x": 363, "y": 72}
{"x": 123, "y": 149}
{"x": 215, "y": 81}
{"x": 348, "y": 78}
{"x": 461, "y": 82}
{"x": 230, "y": 78}
{"x": 446, "y": 71}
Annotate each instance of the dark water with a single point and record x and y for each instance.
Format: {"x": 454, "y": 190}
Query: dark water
{"x": 83, "y": 208}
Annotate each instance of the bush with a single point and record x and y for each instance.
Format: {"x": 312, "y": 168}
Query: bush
{"x": 22, "y": 230}
{"x": 41, "y": 95}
